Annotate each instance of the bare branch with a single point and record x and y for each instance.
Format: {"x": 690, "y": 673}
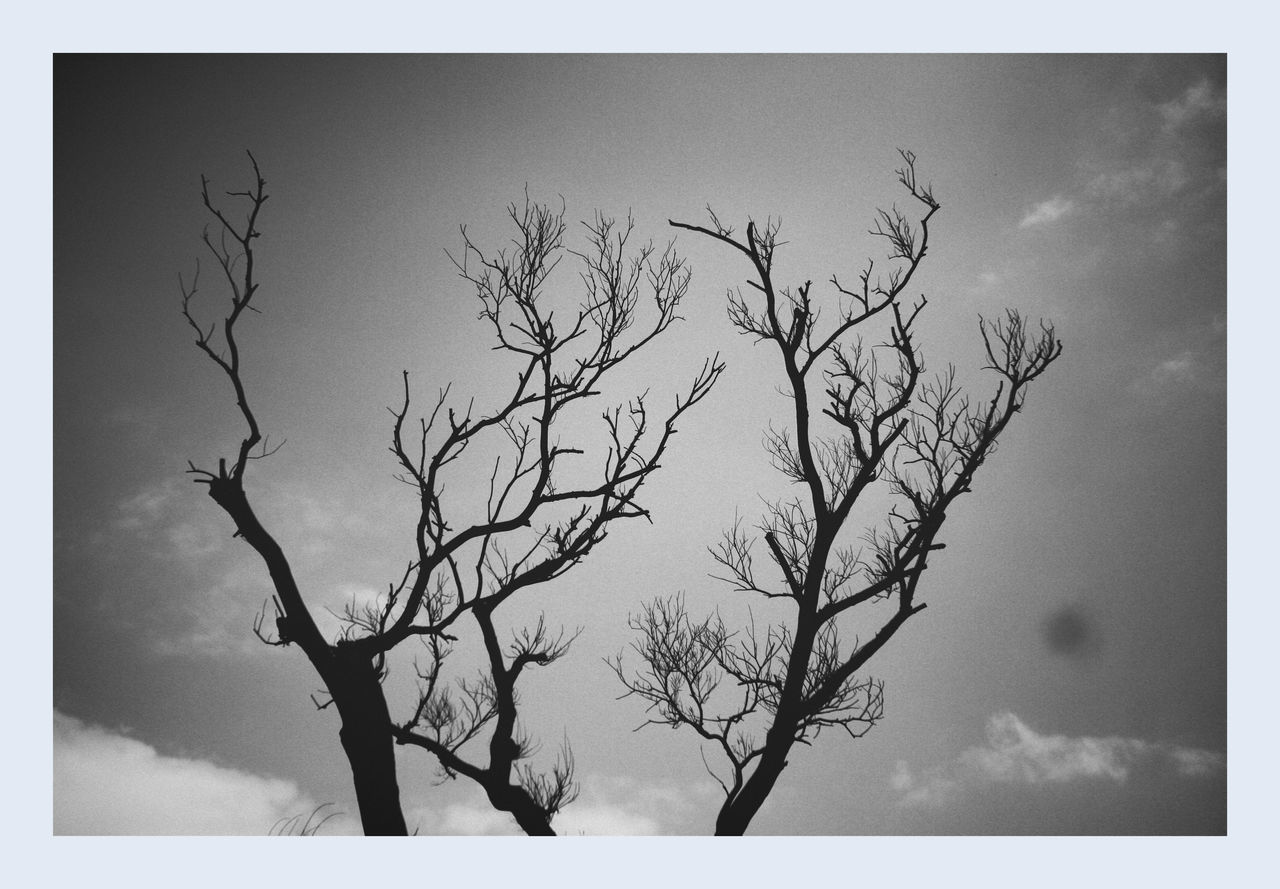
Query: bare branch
{"x": 924, "y": 441}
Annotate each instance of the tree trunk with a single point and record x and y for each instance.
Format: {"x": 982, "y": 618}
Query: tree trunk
{"x": 735, "y": 816}
{"x": 349, "y": 676}
{"x": 366, "y": 737}
{"x": 532, "y": 820}
{"x": 535, "y": 825}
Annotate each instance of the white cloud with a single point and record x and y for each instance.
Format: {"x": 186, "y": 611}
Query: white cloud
{"x": 217, "y": 587}
{"x": 931, "y": 791}
{"x": 1047, "y": 211}
{"x": 1016, "y": 754}
{"x": 603, "y": 819}
{"x": 476, "y": 820}
{"x": 473, "y": 818}
{"x": 611, "y": 806}
{"x": 605, "y": 807}
{"x": 1199, "y": 100}
{"x": 107, "y": 784}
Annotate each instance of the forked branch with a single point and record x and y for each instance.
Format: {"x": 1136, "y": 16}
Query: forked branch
{"x": 883, "y": 423}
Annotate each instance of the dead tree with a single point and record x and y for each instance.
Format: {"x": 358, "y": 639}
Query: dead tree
{"x": 753, "y": 692}
{"x": 545, "y": 510}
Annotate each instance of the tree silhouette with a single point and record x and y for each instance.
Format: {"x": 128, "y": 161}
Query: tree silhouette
{"x": 543, "y": 514}
{"x": 755, "y": 692}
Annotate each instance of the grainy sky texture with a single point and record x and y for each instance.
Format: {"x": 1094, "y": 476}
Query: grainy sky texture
{"x": 1069, "y": 675}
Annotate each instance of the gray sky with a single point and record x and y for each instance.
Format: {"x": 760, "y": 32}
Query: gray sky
{"x": 1069, "y": 675}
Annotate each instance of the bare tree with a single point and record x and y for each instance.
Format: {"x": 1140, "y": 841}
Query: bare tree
{"x": 543, "y": 514}
{"x": 755, "y": 692}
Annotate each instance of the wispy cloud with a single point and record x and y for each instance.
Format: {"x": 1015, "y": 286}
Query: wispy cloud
{"x": 1149, "y": 159}
{"x": 1047, "y": 211}
{"x": 176, "y": 512}
{"x": 212, "y": 586}
{"x": 1200, "y": 365}
{"x": 145, "y": 507}
{"x": 215, "y": 620}
{"x": 105, "y": 783}
{"x": 1199, "y": 101}
{"x": 162, "y": 515}
{"x": 1196, "y": 763}
{"x": 1017, "y": 754}
{"x": 1162, "y": 177}
{"x": 1180, "y": 368}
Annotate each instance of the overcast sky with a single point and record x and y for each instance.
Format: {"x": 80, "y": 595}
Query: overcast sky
{"x": 1069, "y": 675}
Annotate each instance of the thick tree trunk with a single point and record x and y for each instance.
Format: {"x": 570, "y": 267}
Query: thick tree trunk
{"x": 735, "y": 816}
{"x": 532, "y": 820}
{"x": 350, "y": 677}
{"x": 367, "y": 740}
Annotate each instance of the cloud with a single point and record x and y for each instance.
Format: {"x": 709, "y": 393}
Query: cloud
{"x": 1016, "y": 754}
{"x": 216, "y": 620}
{"x": 595, "y": 819}
{"x": 932, "y": 791}
{"x": 105, "y": 783}
{"x": 162, "y": 515}
{"x": 146, "y": 507}
{"x": 1180, "y": 368}
{"x": 626, "y": 807}
{"x": 1200, "y": 100}
{"x": 474, "y": 820}
{"x": 1196, "y": 763}
{"x": 1162, "y": 177}
{"x": 205, "y": 589}
{"x": 1192, "y": 358}
{"x": 179, "y": 522}
{"x": 191, "y": 540}
{"x": 1149, "y": 160}
{"x": 1047, "y": 211}
{"x": 313, "y": 524}
{"x": 606, "y": 806}
{"x": 334, "y": 602}
{"x": 1200, "y": 365}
